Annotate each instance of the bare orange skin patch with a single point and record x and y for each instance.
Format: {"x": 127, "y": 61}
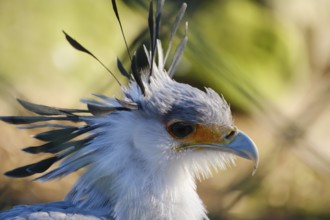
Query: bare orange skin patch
{"x": 204, "y": 134}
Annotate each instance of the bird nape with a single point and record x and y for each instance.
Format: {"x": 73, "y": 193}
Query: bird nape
{"x": 140, "y": 154}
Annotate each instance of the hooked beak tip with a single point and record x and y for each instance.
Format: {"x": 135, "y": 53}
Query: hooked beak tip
{"x": 243, "y": 146}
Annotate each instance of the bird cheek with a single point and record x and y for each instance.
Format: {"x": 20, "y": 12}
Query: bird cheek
{"x": 206, "y": 134}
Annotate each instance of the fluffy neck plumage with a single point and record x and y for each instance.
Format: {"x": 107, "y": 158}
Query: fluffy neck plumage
{"x": 158, "y": 197}
{"x": 128, "y": 185}
{"x": 133, "y": 193}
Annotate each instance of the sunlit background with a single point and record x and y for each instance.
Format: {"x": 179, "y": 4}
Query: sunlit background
{"x": 269, "y": 58}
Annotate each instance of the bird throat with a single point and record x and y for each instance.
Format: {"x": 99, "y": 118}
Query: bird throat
{"x": 130, "y": 194}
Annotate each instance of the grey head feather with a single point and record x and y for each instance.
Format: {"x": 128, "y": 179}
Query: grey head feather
{"x": 168, "y": 99}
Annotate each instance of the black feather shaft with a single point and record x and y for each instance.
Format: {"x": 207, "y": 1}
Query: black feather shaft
{"x": 115, "y": 9}
{"x": 159, "y": 8}
{"x": 103, "y": 110}
{"x": 137, "y": 75}
{"x": 34, "y": 119}
{"x": 58, "y": 142}
{"x": 151, "y": 24}
{"x": 55, "y": 147}
{"x": 75, "y": 44}
{"x": 54, "y": 134}
{"x": 122, "y": 69}
{"x": 31, "y": 169}
{"x": 47, "y": 110}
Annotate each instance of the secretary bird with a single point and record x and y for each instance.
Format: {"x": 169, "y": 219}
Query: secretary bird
{"x": 142, "y": 153}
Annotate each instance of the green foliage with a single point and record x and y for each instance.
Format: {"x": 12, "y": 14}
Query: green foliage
{"x": 240, "y": 49}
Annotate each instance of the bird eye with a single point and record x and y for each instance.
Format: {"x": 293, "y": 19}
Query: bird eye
{"x": 181, "y": 129}
{"x": 231, "y": 135}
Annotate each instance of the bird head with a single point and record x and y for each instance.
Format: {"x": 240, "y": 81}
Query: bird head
{"x": 175, "y": 123}
{"x": 158, "y": 121}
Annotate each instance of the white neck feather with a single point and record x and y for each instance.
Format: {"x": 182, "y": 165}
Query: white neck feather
{"x": 159, "y": 197}
{"x": 129, "y": 185}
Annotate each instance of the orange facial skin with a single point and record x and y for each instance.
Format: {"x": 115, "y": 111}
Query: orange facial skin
{"x": 204, "y": 134}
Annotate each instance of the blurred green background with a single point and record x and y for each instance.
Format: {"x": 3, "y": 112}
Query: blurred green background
{"x": 269, "y": 58}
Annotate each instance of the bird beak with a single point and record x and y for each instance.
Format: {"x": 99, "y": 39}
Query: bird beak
{"x": 240, "y": 145}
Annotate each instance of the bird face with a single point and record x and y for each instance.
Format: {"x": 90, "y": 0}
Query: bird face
{"x": 212, "y": 137}
{"x": 191, "y": 123}
{"x": 193, "y": 134}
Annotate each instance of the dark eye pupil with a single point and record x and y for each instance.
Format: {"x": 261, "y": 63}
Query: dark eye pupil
{"x": 230, "y": 135}
{"x": 181, "y": 129}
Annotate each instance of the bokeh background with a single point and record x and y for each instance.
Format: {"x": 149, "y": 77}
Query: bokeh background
{"x": 269, "y": 58}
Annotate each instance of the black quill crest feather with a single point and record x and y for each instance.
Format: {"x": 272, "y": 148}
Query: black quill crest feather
{"x": 65, "y": 140}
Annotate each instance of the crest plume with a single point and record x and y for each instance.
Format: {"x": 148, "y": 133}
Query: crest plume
{"x": 62, "y": 142}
